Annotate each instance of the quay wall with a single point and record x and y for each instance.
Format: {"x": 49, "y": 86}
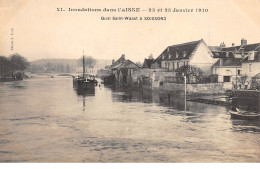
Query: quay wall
{"x": 177, "y": 88}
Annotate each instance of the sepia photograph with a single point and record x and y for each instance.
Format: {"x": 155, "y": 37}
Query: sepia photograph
{"x": 134, "y": 81}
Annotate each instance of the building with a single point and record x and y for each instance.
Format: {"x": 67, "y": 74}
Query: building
{"x": 123, "y": 73}
{"x": 118, "y": 62}
{"x": 236, "y": 61}
{"x": 194, "y": 53}
{"x": 251, "y": 63}
{"x": 227, "y": 69}
{"x": 107, "y": 74}
{"x": 148, "y": 62}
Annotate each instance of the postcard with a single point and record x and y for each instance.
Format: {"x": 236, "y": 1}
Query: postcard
{"x": 108, "y": 81}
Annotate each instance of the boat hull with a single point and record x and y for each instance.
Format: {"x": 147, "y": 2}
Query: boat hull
{"x": 244, "y": 115}
{"x": 83, "y": 84}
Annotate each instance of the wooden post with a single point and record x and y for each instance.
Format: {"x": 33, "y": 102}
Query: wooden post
{"x": 185, "y": 85}
{"x": 185, "y": 91}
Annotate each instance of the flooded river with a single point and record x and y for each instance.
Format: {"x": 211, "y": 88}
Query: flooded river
{"x": 43, "y": 119}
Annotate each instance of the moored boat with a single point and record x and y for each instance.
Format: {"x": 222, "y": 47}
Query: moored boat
{"x": 244, "y": 115}
{"x": 86, "y": 81}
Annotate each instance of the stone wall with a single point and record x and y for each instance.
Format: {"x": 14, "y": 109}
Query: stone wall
{"x": 209, "y": 88}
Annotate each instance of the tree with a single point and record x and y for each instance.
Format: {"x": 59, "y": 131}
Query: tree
{"x": 90, "y": 62}
{"x": 61, "y": 68}
{"x": 67, "y": 68}
{"x": 243, "y": 79}
{"x": 190, "y": 72}
{"x": 18, "y": 62}
{"x": 3, "y": 65}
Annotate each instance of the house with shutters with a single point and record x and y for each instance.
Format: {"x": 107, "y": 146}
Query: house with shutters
{"x": 236, "y": 61}
{"x": 251, "y": 63}
{"x": 195, "y": 53}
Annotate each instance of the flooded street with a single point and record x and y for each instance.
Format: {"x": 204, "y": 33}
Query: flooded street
{"x": 44, "y": 120}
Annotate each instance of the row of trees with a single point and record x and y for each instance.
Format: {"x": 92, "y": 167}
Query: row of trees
{"x": 14, "y": 62}
{"x": 51, "y": 68}
{"x": 63, "y": 67}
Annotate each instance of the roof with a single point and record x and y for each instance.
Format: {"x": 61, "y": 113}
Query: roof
{"x": 118, "y": 62}
{"x": 179, "y": 51}
{"x": 148, "y": 63}
{"x": 126, "y": 64}
{"x": 249, "y": 47}
{"x": 222, "y": 54}
{"x": 257, "y": 76}
{"x": 228, "y": 62}
{"x": 256, "y": 58}
{"x": 115, "y": 67}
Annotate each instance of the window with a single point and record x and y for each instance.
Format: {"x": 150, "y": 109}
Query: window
{"x": 215, "y": 70}
{"x": 165, "y": 65}
{"x": 177, "y": 65}
{"x": 177, "y": 55}
{"x": 238, "y": 72}
{"x": 184, "y": 54}
{"x": 250, "y": 67}
{"x": 173, "y": 65}
{"x": 168, "y": 65}
{"x": 226, "y": 79}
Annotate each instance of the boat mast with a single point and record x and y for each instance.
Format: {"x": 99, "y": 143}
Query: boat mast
{"x": 83, "y": 65}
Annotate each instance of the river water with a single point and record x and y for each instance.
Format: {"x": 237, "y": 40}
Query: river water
{"x": 43, "y": 119}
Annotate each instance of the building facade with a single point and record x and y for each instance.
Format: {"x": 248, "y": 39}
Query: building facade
{"x": 194, "y": 53}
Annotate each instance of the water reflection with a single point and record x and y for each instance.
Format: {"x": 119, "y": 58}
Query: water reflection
{"x": 45, "y": 123}
{"x": 176, "y": 102}
{"x": 178, "y": 105}
{"x": 246, "y": 125}
{"x": 85, "y": 93}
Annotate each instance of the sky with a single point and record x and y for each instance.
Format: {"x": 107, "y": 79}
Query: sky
{"x": 40, "y": 31}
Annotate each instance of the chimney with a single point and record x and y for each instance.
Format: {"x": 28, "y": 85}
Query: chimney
{"x": 233, "y": 44}
{"x": 222, "y": 45}
{"x": 243, "y": 42}
{"x": 113, "y": 61}
{"x": 150, "y": 56}
{"x": 168, "y": 49}
{"x": 123, "y": 56}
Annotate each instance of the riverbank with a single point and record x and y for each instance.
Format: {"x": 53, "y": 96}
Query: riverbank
{"x": 9, "y": 79}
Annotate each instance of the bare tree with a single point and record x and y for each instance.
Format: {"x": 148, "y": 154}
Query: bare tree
{"x": 189, "y": 72}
